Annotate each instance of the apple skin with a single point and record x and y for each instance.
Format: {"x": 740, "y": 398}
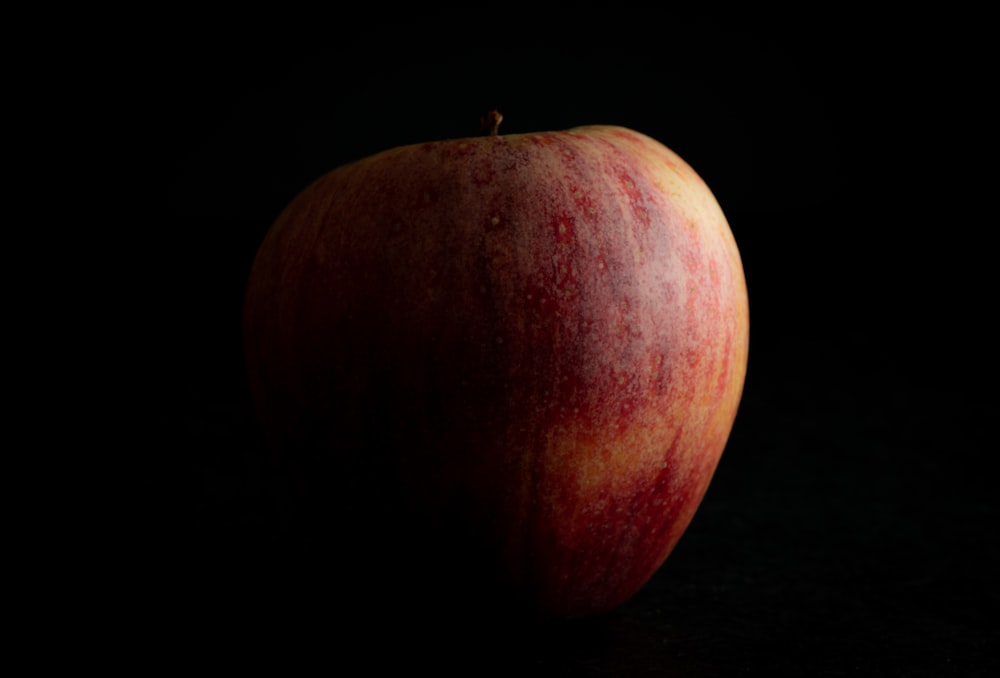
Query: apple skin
{"x": 526, "y": 347}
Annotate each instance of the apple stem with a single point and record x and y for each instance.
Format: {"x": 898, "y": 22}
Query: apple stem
{"x": 490, "y": 123}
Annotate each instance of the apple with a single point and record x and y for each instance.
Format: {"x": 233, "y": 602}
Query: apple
{"x": 514, "y": 359}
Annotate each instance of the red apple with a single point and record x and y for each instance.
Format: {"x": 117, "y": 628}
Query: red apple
{"x": 531, "y": 347}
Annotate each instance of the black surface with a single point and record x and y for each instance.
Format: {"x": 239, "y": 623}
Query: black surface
{"x": 851, "y": 526}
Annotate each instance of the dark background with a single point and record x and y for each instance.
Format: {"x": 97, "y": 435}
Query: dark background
{"x": 851, "y": 526}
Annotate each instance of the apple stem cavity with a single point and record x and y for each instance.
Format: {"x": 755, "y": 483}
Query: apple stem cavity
{"x": 490, "y": 123}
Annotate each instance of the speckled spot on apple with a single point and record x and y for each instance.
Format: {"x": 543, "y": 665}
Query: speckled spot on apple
{"x": 464, "y": 148}
{"x": 563, "y": 227}
{"x": 584, "y": 201}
